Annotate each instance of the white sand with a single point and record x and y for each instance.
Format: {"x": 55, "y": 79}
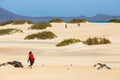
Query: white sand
{"x": 57, "y": 61}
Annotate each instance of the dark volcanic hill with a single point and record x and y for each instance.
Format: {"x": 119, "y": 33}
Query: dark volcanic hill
{"x": 4, "y": 15}
{"x": 7, "y": 15}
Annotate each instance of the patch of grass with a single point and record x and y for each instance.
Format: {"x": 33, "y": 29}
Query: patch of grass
{"x": 96, "y": 41}
{"x": 40, "y": 25}
{"x": 17, "y": 22}
{"x": 77, "y": 20}
{"x": 41, "y": 35}
{"x": 29, "y": 22}
{"x": 6, "y": 22}
{"x": 31, "y": 36}
{"x": 58, "y": 20}
{"x": 67, "y": 42}
{"x": 114, "y": 20}
{"x": 9, "y": 31}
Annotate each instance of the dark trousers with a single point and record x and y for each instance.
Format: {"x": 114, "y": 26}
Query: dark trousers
{"x": 31, "y": 62}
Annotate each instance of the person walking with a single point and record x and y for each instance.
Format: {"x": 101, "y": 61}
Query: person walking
{"x": 31, "y": 59}
{"x": 66, "y": 26}
{"x": 78, "y": 24}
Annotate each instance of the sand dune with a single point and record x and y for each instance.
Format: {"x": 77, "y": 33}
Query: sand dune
{"x": 58, "y": 61}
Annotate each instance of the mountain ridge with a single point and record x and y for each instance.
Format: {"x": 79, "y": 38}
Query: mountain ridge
{"x": 7, "y": 15}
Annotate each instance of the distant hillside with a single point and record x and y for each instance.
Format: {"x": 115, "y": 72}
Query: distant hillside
{"x": 4, "y": 15}
{"x": 7, "y": 15}
{"x": 102, "y": 18}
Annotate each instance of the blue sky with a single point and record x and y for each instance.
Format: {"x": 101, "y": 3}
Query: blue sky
{"x": 37, "y": 8}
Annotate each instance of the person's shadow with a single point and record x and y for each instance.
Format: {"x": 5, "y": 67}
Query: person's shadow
{"x": 102, "y": 66}
{"x": 16, "y": 64}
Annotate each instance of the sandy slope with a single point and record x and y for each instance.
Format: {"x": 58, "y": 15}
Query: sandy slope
{"x": 57, "y": 61}
{"x": 58, "y": 72}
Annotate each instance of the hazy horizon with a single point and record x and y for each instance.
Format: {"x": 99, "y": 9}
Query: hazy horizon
{"x": 61, "y": 8}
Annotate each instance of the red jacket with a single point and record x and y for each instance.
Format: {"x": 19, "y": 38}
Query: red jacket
{"x": 31, "y": 57}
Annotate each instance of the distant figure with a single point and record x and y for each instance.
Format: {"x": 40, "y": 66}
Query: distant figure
{"x": 101, "y": 66}
{"x": 31, "y": 59}
{"x": 78, "y": 24}
{"x": 66, "y": 26}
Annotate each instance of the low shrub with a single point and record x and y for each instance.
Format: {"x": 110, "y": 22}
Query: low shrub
{"x": 76, "y": 20}
{"x": 41, "y": 25}
{"x": 58, "y": 20}
{"x": 29, "y": 22}
{"x": 6, "y": 22}
{"x": 9, "y": 31}
{"x": 96, "y": 41}
{"x": 114, "y": 20}
{"x": 17, "y": 22}
{"x": 41, "y": 35}
{"x": 31, "y": 36}
{"x": 67, "y": 42}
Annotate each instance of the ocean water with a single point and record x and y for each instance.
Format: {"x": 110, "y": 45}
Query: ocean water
{"x": 99, "y": 21}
